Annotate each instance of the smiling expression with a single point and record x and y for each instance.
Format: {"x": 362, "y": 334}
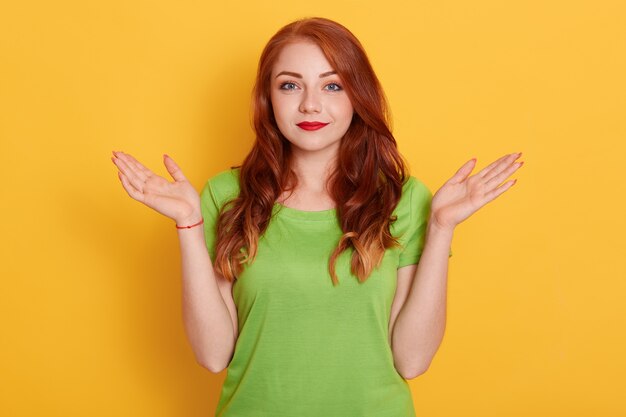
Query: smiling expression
{"x": 311, "y": 108}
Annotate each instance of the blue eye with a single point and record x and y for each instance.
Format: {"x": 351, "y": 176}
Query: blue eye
{"x": 333, "y": 87}
{"x": 288, "y": 86}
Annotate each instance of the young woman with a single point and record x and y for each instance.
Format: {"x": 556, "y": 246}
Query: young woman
{"x": 324, "y": 284}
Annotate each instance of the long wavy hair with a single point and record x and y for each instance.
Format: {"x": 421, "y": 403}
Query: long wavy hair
{"x": 366, "y": 183}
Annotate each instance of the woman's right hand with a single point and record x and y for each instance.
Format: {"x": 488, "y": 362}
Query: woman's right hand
{"x": 177, "y": 200}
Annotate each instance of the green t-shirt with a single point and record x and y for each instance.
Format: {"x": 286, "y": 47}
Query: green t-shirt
{"x": 306, "y": 347}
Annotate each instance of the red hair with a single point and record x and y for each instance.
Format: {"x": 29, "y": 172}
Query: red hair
{"x": 366, "y": 183}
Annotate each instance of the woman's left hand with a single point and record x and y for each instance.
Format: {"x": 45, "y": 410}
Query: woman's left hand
{"x": 460, "y": 196}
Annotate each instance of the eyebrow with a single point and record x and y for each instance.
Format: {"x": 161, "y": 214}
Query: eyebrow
{"x": 295, "y": 74}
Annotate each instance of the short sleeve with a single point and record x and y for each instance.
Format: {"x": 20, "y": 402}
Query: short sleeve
{"x": 217, "y": 191}
{"x": 416, "y": 206}
{"x": 210, "y": 211}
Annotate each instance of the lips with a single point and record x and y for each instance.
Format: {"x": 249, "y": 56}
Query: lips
{"x": 311, "y": 125}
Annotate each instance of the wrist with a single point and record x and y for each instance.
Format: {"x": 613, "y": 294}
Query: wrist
{"x": 437, "y": 228}
{"x": 187, "y": 222}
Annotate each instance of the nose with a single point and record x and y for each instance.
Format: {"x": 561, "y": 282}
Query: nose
{"x": 310, "y": 102}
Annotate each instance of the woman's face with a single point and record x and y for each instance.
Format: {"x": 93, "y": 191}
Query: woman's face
{"x": 311, "y": 107}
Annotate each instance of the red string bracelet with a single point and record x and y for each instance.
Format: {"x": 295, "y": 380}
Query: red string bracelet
{"x": 189, "y": 227}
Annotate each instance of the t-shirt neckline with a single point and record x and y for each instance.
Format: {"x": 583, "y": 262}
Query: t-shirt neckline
{"x": 329, "y": 214}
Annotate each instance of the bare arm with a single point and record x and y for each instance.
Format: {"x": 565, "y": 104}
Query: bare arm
{"x": 420, "y": 325}
{"x": 208, "y": 309}
{"x": 420, "y": 310}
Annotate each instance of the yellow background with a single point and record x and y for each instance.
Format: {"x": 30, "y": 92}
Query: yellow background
{"x": 90, "y": 299}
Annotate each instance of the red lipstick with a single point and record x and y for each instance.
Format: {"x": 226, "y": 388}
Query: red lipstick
{"x": 311, "y": 125}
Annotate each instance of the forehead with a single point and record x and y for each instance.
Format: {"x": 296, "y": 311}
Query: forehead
{"x": 303, "y": 57}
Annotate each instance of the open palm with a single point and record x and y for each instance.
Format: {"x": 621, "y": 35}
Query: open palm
{"x": 177, "y": 200}
{"x": 461, "y": 196}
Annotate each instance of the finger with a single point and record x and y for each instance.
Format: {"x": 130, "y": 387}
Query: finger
{"x": 137, "y": 170}
{"x": 493, "y": 194}
{"x": 173, "y": 169}
{"x": 501, "y": 166}
{"x": 130, "y": 175}
{"x": 487, "y": 170}
{"x": 463, "y": 172}
{"x": 138, "y": 165}
{"x": 497, "y": 179}
{"x": 130, "y": 190}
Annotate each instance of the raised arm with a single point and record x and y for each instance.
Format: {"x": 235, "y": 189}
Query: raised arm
{"x": 419, "y": 316}
{"x": 208, "y": 310}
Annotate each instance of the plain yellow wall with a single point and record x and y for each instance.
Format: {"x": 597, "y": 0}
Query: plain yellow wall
{"x": 90, "y": 308}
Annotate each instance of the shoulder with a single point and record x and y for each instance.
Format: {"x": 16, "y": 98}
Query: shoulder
{"x": 226, "y": 180}
{"x": 222, "y": 187}
{"x": 414, "y": 184}
{"x": 413, "y": 208}
{"x": 414, "y": 194}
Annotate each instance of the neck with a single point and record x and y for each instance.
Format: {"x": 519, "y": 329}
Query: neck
{"x": 313, "y": 170}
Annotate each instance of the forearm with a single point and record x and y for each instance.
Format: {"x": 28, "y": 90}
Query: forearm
{"x": 206, "y": 317}
{"x": 420, "y": 325}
